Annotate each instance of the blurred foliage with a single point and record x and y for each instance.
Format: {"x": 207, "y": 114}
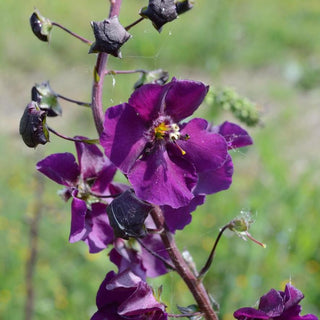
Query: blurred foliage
{"x": 277, "y": 178}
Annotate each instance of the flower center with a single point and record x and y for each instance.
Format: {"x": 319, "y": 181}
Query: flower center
{"x": 167, "y": 131}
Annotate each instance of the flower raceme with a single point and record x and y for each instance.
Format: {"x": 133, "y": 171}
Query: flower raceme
{"x": 93, "y": 174}
{"x": 167, "y": 161}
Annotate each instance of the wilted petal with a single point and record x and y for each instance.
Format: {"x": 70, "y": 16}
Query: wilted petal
{"x": 160, "y": 180}
{"x": 183, "y": 98}
{"x": 207, "y": 151}
{"x": 123, "y": 136}
{"x": 61, "y": 168}
{"x": 215, "y": 180}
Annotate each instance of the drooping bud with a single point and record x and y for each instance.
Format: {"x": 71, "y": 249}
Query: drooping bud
{"x": 46, "y": 98}
{"x": 110, "y": 36}
{"x": 155, "y": 76}
{"x": 40, "y": 26}
{"x": 183, "y": 6}
{"x": 159, "y": 12}
{"x": 33, "y": 128}
{"x": 240, "y": 226}
{"x": 127, "y": 214}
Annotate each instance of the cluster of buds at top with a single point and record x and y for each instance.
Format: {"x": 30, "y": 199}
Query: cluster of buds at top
{"x": 162, "y": 11}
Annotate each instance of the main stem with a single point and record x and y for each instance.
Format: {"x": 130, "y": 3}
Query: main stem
{"x": 195, "y": 286}
{"x": 99, "y": 74}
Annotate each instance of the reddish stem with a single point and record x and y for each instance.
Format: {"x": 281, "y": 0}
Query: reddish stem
{"x": 99, "y": 74}
{"x": 195, "y": 286}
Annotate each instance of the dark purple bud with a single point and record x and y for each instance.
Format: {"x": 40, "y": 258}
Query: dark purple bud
{"x": 40, "y": 26}
{"x": 127, "y": 214}
{"x": 183, "y": 6}
{"x": 46, "y": 98}
{"x": 110, "y": 36}
{"x": 159, "y": 12}
{"x": 33, "y": 128}
{"x": 155, "y": 76}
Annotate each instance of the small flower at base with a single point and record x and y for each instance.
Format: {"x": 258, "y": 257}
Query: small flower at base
{"x": 47, "y": 99}
{"x": 276, "y": 305}
{"x": 40, "y": 26}
{"x": 110, "y": 36}
{"x": 33, "y": 128}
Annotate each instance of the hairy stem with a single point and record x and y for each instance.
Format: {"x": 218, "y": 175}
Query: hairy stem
{"x": 99, "y": 74}
{"x": 195, "y": 286}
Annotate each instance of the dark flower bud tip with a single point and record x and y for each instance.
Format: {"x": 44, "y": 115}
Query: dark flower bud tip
{"x": 110, "y": 36}
{"x": 155, "y": 76}
{"x": 127, "y": 214}
{"x": 159, "y": 12}
{"x": 33, "y": 128}
{"x": 46, "y": 98}
{"x": 40, "y": 26}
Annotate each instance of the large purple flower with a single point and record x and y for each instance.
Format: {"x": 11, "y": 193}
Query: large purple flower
{"x": 126, "y": 296}
{"x": 276, "y": 305}
{"x": 93, "y": 175}
{"x": 161, "y": 156}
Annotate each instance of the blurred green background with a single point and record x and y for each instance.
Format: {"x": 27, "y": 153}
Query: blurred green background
{"x": 268, "y": 51}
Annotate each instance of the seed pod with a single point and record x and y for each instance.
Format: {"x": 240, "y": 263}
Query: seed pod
{"x": 159, "y": 12}
{"x": 110, "y": 36}
{"x": 47, "y": 99}
{"x": 40, "y": 26}
{"x": 33, "y": 128}
{"x": 127, "y": 214}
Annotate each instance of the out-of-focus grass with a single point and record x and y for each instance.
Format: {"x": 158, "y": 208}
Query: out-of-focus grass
{"x": 277, "y": 179}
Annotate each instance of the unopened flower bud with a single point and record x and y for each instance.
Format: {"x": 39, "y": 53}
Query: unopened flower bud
{"x": 46, "y": 98}
{"x": 110, "y": 36}
{"x": 33, "y": 128}
{"x": 40, "y": 26}
{"x": 159, "y": 12}
{"x": 155, "y": 76}
{"x": 183, "y": 6}
{"x": 127, "y": 214}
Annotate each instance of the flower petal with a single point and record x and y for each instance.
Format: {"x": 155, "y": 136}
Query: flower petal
{"x": 91, "y": 159}
{"x": 146, "y": 101}
{"x": 123, "y": 136}
{"x": 78, "y": 214}
{"x": 272, "y": 303}
{"x": 206, "y": 150}
{"x": 236, "y": 136}
{"x": 292, "y": 296}
{"x": 183, "y": 98}
{"x": 250, "y": 314}
{"x": 61, "y": 168}
{"x": 162, "y": 181}
{"x": 177, "y": 219}
{"x": 213, "y": 181}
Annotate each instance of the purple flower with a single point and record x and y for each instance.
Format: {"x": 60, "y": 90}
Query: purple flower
{"x": 140, "y": 261}
{"x": 276, "y": 305}
{"x": 161, "y": 156}
{"x": 93, "y": 175}
{"x": 126, "y": 296}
